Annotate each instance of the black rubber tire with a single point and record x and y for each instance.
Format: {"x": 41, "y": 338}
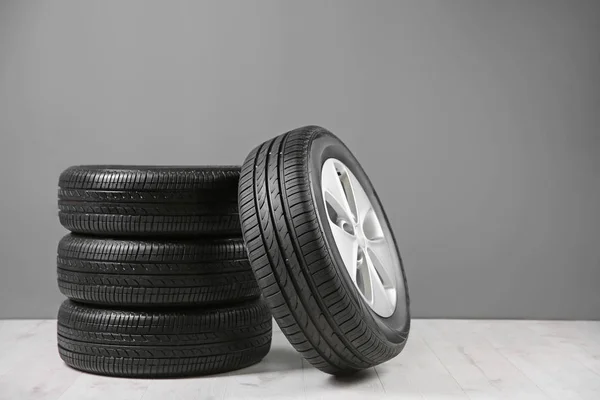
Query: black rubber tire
{"x": 300, "y": 273}
{"x": 130, "y": 272}
{"x": 149, "y": 200}
{"x": 155, "y": 344}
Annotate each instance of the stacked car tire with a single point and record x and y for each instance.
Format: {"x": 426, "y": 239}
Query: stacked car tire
{"x": 156, "y": 273}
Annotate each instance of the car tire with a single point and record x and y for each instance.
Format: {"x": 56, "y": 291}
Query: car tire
{"x": 145, "y": 272}
{"x": 158, "y": 344}
{"x": 149, "y": 200}
{"x": 298, "y": 264}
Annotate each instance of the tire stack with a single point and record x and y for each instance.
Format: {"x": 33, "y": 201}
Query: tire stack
{"x": 165, "y": 266}
{"x": 156, "y": 273}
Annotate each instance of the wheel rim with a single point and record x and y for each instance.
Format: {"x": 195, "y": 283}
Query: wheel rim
{"x": 368, "y": 255}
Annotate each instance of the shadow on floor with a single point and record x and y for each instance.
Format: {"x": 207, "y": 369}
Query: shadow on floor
{"x": 353, "y": 380}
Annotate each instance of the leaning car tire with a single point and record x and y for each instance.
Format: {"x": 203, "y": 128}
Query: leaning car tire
{"x": 292, "y": 228}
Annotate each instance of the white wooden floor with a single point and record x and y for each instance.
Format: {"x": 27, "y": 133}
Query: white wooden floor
{"x": 443, "y": 359}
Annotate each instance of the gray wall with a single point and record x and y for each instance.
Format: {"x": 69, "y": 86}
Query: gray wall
{"x": 478, "y": 122}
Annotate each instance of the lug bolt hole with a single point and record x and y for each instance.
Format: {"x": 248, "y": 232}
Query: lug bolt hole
{"x": 347, "y": 227}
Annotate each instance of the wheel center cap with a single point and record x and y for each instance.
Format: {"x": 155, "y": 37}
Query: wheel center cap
{"x": 360, "y": 238}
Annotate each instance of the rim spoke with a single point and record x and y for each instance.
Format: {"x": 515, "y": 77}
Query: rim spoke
{"x": 381, "y": 302}
{"x": 363, "y": 204}
{"x": 348, "y": 249}
{"x": 371, "y": 226}
{"x": 380, "y": 250}
{"x": 363, "y": 278}
{"x": 336, "y": 195}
